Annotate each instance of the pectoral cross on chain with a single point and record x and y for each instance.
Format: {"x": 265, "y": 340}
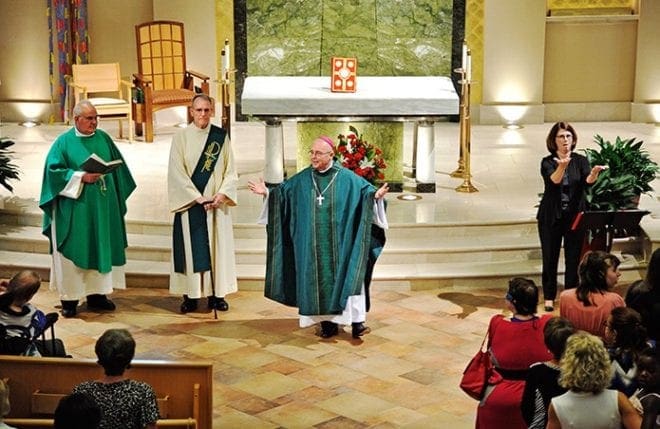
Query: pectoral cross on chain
{"x": 320, "y": 199}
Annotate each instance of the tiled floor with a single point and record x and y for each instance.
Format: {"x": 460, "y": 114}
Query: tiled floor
{"x": 270, "y": 373}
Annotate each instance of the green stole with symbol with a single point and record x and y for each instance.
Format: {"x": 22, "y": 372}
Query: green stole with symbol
{"x": 199, "y": 234}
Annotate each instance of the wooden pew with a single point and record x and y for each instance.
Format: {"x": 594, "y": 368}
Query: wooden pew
{"x": 184, "y": 388}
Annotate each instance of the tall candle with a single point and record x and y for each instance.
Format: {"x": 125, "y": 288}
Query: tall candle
{"x": 464, "y": 57}
{"x": 468, "y": 71}
{"x": 223, "y": 69}
{"x": 226, "y": 60}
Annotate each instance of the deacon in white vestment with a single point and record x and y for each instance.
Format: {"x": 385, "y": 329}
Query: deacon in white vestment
{"x": 202, "y": 188}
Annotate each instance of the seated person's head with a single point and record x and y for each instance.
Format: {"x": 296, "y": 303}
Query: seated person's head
{"x": 523, "y": 294}
{"x": 556, "y": 332}
{"x": 115, "y": 350}
{"x": 21, "y": 288}
{"x": 77, "y": 411}
{"x": 648, "y": 369}
{"x": 4, "y": 398}
{"x": 585, "y": 364}
{"x": 598, "y": 271}
{"x": 624, "y": 329}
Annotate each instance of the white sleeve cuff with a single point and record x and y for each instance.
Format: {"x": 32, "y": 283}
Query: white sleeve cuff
{"x": 74, "y": 187}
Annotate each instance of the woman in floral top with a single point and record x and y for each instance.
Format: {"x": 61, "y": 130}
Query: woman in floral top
{"x": 124, "y": 403}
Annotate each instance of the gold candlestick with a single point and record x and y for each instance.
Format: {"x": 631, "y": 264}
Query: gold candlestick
{"x": 466, "y": 83}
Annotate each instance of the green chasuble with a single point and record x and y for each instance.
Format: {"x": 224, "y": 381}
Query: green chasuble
{"x": 318, "y": 253}
{"x": 90, "y": 230}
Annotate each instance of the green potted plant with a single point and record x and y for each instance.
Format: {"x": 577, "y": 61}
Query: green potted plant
{"x": 8, "y": 171}
{"x": 629, "y": 175}
{"x": 613, "y": 200}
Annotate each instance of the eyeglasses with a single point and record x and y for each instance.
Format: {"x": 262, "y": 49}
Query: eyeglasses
{"x": 89, "y": 118}
{"x": 201, "y": 110}
{"x": 566, "y": 136}
{"x": 317, "y": 153}
{"x": 508, "y": 297}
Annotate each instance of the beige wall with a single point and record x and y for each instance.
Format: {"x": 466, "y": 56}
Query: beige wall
{"x": 199, "y": 20}
{"x": 514, "y": 37}
{"x": 513, "y": 51}
{"x": 112, "y": 31}
{"x": 23, "y": 59}
{"x": 590, "y": 60}
{"x": 647, "y": 81}
{"x": 646, "y": 104}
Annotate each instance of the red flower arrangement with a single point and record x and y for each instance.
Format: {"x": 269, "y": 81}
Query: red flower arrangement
{"x": 365, "y": 159}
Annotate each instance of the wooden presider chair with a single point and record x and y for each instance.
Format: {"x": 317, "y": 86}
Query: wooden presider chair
{"x": 162, "y": 80}
{"x": 102, "y": 85}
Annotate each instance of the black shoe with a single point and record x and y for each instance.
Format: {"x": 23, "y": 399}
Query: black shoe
{"x": 216, "y": 303}
{"x": 69, "y": 308}
{"x": 359, "y": 329}
{"x": 100, "y": 302}
{"x": 189, "y": 304}
{"x": 329, "y": 329}
{"x": 549, "y": 308}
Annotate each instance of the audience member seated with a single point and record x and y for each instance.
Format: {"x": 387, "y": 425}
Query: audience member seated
{"x": 644, "y": 297}
{"x": 586, "y": 372}
{"x": 542, "y": 379}
{"x": 626, "y": 338}
{"x": 515, "y": 343}
{"x": 4, "y": 404}
{"x": 77, "y": 411}
{"x": 589, "y": 305}
{"x": 124, "y": 403}
{"x": 21, "y": 320}
{"x": 647, "y": 398}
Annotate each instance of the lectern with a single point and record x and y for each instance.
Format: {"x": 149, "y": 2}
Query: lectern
{"x": 601, "y": 227}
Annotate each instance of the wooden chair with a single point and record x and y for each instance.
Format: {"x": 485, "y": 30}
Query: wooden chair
{"x": 162, "y": 80}
{"x": 102, "y": 85}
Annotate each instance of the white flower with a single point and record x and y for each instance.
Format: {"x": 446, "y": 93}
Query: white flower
{"x": 366, "y": 163}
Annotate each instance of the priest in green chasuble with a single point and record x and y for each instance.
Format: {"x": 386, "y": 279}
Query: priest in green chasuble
{"x": 202, "y": 189}
{"x": 325, "y": 230}
{"x": 84, "y": 215}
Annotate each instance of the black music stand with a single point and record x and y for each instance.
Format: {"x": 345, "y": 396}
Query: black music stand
{"x": 605, "y": 225}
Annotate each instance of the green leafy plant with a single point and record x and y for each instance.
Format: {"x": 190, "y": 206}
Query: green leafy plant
{"x": 8, "y": 171}
{"x": 630, "y": 173}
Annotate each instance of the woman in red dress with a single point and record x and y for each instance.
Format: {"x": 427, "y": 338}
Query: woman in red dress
{"x": 516, "y": 342}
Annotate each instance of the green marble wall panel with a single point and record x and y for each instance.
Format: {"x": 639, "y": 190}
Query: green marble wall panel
{"x": 280, "y": 18}
{"x": 362, "y": 49}
{"x": 413, "y": 57}
{"x": 350, "y": 18}
{"x": 388, "y": 136}
{"x": 273, "y": 56}
{"x": 414, "y": 18}
{"x": 388, "y": 37}
{"x": 284, "y": 37}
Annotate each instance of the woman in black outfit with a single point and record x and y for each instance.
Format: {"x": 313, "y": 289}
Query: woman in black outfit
{"x": 542, "y": 384}
{"x": 565, "y": 176}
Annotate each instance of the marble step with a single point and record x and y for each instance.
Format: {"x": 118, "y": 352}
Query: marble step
{"x": 405, "y": 245}
{"x": 415, "y": 257}
{"x": 419, "y": 276}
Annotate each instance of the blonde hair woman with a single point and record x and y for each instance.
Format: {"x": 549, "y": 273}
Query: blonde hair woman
{"x": 586, "y": 372}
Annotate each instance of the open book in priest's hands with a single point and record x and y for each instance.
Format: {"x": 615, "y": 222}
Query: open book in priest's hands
{"x": 94, "y": 164}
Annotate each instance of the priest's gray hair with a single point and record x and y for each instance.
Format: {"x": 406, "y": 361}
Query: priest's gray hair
{"x": 82, "y": 105}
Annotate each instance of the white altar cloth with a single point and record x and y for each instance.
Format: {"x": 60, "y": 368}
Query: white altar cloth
{"x": 304, "y": 96}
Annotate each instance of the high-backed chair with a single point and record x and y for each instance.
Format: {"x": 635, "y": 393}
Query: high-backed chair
{"x": 102, "y": 85}
{"x": 162, "y": 80}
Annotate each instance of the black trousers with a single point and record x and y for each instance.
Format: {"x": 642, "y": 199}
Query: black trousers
{"x": 551, "y": 238}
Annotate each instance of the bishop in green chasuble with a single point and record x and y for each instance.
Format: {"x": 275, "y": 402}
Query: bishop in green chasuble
{"x": 320, "y": 241}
